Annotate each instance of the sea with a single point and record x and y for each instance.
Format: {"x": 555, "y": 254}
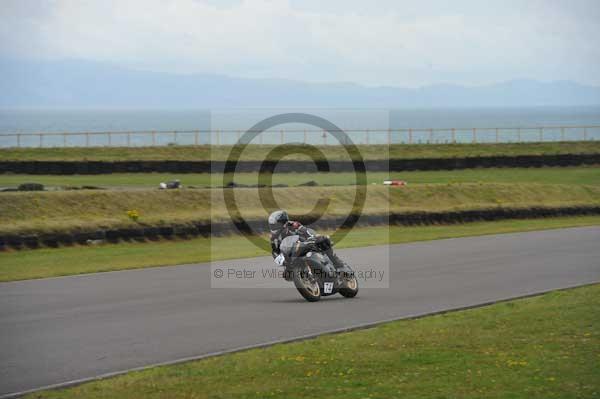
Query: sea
{"x": 36, "y": 127}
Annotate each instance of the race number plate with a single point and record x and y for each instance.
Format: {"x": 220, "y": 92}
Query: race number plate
{"x": 328, "y": 287}
{"x": 280, "y": 260}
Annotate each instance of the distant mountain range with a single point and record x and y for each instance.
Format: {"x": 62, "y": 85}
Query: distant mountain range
{"x": 90, "y": 84}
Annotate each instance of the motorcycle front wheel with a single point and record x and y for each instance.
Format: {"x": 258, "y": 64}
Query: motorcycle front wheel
{"x": 307, "y": 284}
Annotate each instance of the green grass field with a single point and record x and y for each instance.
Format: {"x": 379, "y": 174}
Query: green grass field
{"x": 571, "y": 175}
{"x": 546, "y": 346}
{"x": 60, "y": 211}
{"x": 50, "y": 262}
{"x": 259, "y": 152}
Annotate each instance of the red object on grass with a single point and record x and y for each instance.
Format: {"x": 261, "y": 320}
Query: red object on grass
{"x": 394, "y": 182}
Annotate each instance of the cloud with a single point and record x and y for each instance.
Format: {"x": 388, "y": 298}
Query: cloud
{"x": 375, "y": 43}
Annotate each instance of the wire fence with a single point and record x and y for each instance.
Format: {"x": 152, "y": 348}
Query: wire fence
{"x": 305, "y": 136}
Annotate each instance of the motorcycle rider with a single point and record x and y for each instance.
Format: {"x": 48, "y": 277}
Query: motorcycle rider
{"x": 281, "y": 227}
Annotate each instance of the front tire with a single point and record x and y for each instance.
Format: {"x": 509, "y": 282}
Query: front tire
{"x": 307, "y": 285}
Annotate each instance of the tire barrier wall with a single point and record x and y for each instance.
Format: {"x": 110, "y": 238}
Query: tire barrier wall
{"x": 204, "y": 229}
{"x": 394, "y": 165}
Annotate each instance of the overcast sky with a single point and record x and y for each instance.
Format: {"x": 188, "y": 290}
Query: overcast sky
{"x": 375, "y": 43}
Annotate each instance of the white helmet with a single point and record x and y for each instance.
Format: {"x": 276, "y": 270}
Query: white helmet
{"x": 277, "y": 220}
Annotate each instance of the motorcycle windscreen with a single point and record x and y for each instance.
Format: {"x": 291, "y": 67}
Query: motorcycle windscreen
{"x": 287, "y": 245}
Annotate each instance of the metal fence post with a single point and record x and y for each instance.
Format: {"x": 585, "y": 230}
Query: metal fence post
{"x": 389, "y": 136}
{"x": 196, "y": 134}
{"x": 474, "y": 135}
{"x": 410, "y": 136}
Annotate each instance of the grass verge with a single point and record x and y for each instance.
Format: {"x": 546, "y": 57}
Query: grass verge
{"x": 570, "y": 175}
{"x": 71, "y": 211}
{"x": 48, "y": 262}
{"x": 541, "y": 347}
{"x": 259, "y": 152}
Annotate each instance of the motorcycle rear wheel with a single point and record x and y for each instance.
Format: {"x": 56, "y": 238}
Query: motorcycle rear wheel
{"x": 350, "y": 287}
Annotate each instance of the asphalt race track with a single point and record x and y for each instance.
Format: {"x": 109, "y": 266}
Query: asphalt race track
{"x": 64, "y": 329}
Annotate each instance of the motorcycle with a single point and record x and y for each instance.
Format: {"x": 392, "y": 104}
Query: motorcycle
{"x": 313, "y": 273}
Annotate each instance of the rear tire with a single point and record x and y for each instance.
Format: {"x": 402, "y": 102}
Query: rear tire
{"x": 307, "y": 286}
{"x": 351, "y": 287}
